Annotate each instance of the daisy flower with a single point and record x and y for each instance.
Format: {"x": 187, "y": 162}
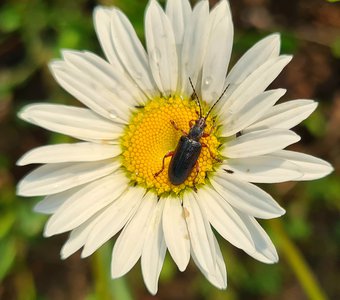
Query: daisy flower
{"x": 138, "y": 104}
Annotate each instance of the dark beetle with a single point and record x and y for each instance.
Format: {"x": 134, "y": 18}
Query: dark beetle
{"x": 189, "y": 147}
{"x": 186, "y": 153}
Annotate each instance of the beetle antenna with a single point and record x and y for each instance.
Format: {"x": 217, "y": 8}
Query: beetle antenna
{"x": 198, "y": 100}
{"x": 211, "y": 108}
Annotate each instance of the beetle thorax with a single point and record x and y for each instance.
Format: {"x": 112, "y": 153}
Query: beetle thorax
{"x": 197, "y": 130}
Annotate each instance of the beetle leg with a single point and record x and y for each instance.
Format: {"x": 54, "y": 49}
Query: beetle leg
{"x": 197, "y": 167}
{"x": 206, "y": 134}
{"x": 170, "y": 153}
{"x": 192, "y": 123}
{"x": 177, "y": 128}
{"x": 211, "y": 154}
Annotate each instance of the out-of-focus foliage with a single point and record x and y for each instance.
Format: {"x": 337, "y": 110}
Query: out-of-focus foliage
{"x": 308, "y": 236}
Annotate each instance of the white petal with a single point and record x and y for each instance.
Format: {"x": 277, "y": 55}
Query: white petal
{"x": 201, "y": 235}
{"x": 85, "y": 202}
{"x": 99, "y": 74}
{"x": 254, "y": 84}
{"x": 246, "y": 197}
{"x": 154, "y": 249}
{"x": 257, "y": 55}
{"x": 194, "y": 46}
{"x": 161, "y": 47}
{"x": 224, "y": 219}
{"x": 78, "y": 80}
{"x": 262, "y": 169}
{"x": 250, "y": 112}
{"x": 260, "y": 142}
{"x": 51, "y": 203}
{"x": 77, "y": 238}
{"x": 175, "y": 232}
{"x": 113, "y": 218}
{"x": 178, "y": 12}
{"x": 265, "y": 250}
{"x": 221, "y": 271}
{"x": 101, "y": 18}
{"x": 217, "y": 57}
{"x": 69, "y": 153}
{"x": 219, "y": 278}
{"x": 285, "y": 115}
{"x": 131, "y": 52}
{"x": 77, "y": 122}
{"x": 129, "y": 245}
{"x": 54, "y": 178}
{"x": 112, "y": 78}
{"x": 311, "y": 167}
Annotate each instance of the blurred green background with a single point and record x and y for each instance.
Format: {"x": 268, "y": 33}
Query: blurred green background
{"x": 32, "y": 32}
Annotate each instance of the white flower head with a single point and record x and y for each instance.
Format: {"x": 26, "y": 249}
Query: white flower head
{"x": 136, "y": 168}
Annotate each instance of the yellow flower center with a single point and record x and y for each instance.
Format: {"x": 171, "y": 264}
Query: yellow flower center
{"x": 150, "y": 135}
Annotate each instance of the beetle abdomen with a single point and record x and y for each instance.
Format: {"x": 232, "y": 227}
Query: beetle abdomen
{"x": 183, "y": 160}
